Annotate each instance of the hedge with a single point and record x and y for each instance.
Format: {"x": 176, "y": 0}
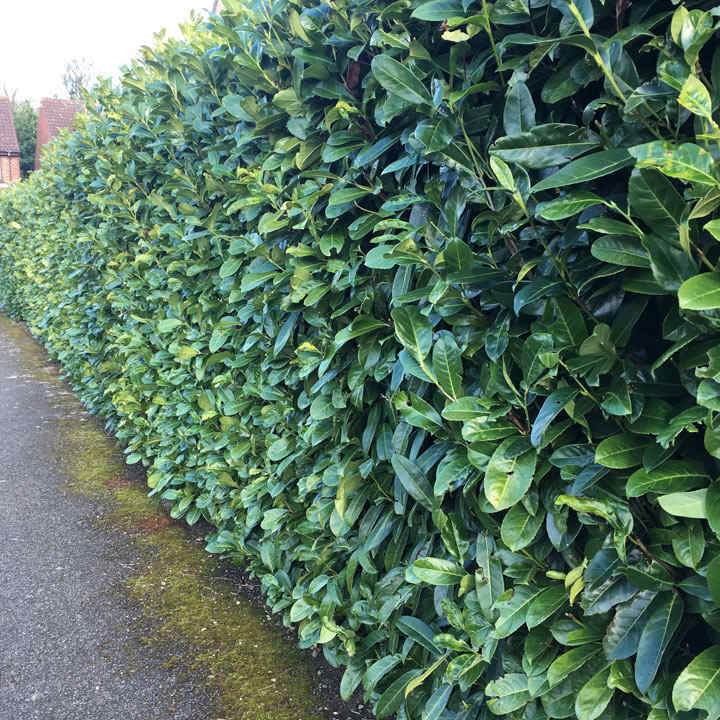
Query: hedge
{"x": 417, "y": 304}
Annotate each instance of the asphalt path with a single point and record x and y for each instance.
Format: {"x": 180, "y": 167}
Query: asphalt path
{"x": 69, "y": 645}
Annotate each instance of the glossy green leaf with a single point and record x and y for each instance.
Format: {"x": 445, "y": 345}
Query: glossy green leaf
{"x": 665, "y": 616}
{"x": 654, "y": 199}
{"x": 701, "y": 292}
{"x": 508, "y": 476}
{"x": 567, "y": 205}
{"x": 513, "y": 611}
{"x": 393, "y": 696}
{"x": 624, "y": 631}
{"x": 507, "y": 693}
{"x": 585, "y": 169}
{"x": 413, "y": 330}
{"x": 671, "y": 476}
{"x": 594, "y": 696}
{"x": 569, "y": 662}
{"x": 437, "y": 571}
{"x": 544, "y": 145}
{"x": 397, "y": 79}
{"x": 712, "y": 506}
{"x": 447, "y": 364}
{"x": 414, "y": 480}
{"x": 625, "y": 251}
{"x": 519, "y": 113}
{"x": 698, "y": 685}
{"x": 713, "y": 579}
{"x": 519, "y": 527}
{"x": 546, "y": 604}
{"x": 621, "y": 451}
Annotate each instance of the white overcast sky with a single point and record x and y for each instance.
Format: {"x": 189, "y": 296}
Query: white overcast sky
{"x": 39, "y": 37}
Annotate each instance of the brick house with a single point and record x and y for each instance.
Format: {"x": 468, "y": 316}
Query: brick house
{"x": 9, "y": 147}
{"x": 53, "y": 116}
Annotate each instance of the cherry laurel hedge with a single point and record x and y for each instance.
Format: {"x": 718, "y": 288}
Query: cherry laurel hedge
{"x": 416, "y": 303}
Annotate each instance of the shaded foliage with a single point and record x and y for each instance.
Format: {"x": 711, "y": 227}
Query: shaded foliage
{"x": 418, "y": 305}
{"x": 25, "y": 117}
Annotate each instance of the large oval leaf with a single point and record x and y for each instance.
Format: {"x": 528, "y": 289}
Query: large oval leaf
{"x": 585, "y": 169}
{"x": 701, "y": 292}
{"x": 399, "y": 80}
{"x": 508, "y": 476}
{"x": 671, "y": 476}
{"x": 698, "y": 685}
{"x": 621, "y": 451}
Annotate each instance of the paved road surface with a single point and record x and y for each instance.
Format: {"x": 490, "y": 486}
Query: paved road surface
{"x": 67, "y": 650}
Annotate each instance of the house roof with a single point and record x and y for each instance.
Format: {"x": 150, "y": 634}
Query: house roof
{"x": 8, "y": 138}
{"x": 58, "y": 114}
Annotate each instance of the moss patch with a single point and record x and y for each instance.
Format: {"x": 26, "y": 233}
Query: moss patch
{"x": 201, "y": 625}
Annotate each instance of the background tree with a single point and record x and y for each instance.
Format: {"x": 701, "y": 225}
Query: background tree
{"x": 78, "y": 76}
{"x": 26, "y": 118}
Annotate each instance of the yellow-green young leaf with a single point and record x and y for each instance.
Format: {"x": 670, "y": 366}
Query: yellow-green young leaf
{"x": 502, "y": 172}
{"x": 701, "y": 292}
{"x": 508, "y": 476}
{"x": 420, "y": 679}
{"x": 695, "y": 97}
{"x": 594, "y": 696}
{"x": 437, "y": 571}
{"x": 567, "y": 205}
{"x": 713, "y": 227}
{"x": 698, "y": 685}
{"x": 186, "y": 352}
{"x": 168, "y": 324}
{"x": 685, "y": 504}
{"x": 296, "y": 25}
{"x": 687, "y": 162}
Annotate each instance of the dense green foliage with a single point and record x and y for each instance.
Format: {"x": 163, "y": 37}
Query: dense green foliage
{"x": 26, "y": 118}
{"x": 417, "y": 303}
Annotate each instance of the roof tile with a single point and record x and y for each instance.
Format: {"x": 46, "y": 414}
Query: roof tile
{"x": 59, "y": 113}
{"x": 8, "y": 138}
